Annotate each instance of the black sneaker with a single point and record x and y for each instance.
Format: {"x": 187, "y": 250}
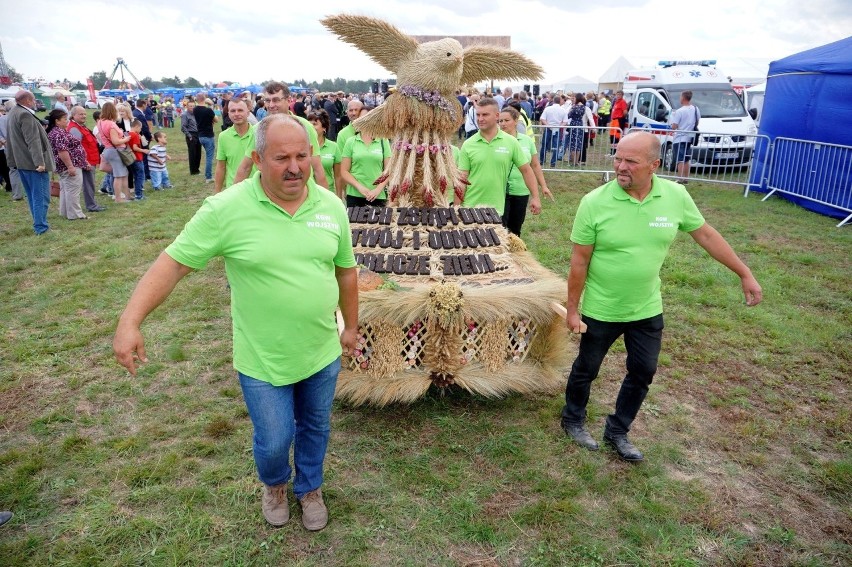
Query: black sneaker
{"x": 624, "y": 448}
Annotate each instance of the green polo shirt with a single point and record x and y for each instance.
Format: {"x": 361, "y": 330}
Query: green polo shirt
{"x": 329, "y": 154}
{"x": 517, "y": 187}
{"x": 281, "y": 269}
{"x": 367, "y": 162}
{"x": 232, "y": 149}
{"x": 631, "y": 241}
{"x": 344, "y": 136}
{"x": 488, "y": 164}
{"x": 312, "y": 136}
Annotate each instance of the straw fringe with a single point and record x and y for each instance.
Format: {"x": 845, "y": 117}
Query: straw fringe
{"x": 408, "y": 386}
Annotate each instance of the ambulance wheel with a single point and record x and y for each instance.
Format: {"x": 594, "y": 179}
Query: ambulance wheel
{"x": 668, "y": 158}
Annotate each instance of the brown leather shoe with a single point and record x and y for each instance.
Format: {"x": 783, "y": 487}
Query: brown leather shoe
{"x": 274, "y": 504}
{"x": 314, "y": 512}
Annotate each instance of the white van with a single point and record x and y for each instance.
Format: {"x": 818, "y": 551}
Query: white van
{"x": 726, "y": 128}
{"x": 753, "y": 101}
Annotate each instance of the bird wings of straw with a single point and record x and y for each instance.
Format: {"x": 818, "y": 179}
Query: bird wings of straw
{"x": 384, "y": 43}
{"x": 483, "y": 62}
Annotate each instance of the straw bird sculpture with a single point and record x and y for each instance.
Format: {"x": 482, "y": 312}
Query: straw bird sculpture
{"x": 423, "y": 113}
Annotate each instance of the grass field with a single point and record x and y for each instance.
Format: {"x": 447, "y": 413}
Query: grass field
{"x": 746, "y": 430}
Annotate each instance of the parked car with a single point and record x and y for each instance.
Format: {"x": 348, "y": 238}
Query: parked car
{"x": 40, "y": 107}
{"x": 99, "y": 103}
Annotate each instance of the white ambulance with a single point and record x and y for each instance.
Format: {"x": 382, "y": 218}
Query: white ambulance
{"x": 726, "y": 130}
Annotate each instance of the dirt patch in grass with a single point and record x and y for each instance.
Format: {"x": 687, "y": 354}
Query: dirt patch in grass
{"x": 502, "y": 504}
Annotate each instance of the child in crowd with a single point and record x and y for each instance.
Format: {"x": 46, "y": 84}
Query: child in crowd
{"x": 157, "y": 158}
{"x": 137, "y": 169}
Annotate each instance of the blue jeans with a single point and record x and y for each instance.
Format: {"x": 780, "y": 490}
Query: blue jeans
{"x": 550, "y": 141}
{"x": 37, "y": 188}
{"x": 160, "y": 179}
{"x": 642, "y": 340}
{"x": 137, "y": 170}
{"x": 107, "y": 183}
{"x": 209, "y": 147}
{"x": 282, "y": 414}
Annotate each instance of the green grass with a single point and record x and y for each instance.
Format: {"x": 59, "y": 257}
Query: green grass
{"x": 746, "y": 429}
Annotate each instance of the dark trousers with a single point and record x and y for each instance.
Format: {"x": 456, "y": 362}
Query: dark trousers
{"x": 89, "y": 189}
{"x": 514, "y": 213}
{"x": 352, "y": 201}
{"x": 642, "y": 340}
{"x": 137, "y": 174}
{"x": 193, "y": 148}
{"x": 4, "y": 171}
{"x": 145, "y": 168}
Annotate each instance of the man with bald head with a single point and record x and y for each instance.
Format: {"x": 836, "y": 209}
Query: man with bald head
{"x": 621, "y": 236}
{"x": 288, "y": 256}
{"x": 28, "y": 150}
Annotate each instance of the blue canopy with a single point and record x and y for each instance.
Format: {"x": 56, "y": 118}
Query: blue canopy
{"x": 807, "y": 98}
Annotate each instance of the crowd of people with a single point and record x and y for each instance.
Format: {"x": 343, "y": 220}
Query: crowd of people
{"x": 220, "y": 129}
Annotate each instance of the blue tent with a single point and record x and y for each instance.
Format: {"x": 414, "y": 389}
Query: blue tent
{"x": 807, "y": 98}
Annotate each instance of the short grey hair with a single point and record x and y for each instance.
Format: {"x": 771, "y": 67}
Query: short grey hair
{"x": 652, "y": 143}
{"x": 75, "y": 109}
{"x": 264, "y": 125}
{"x": 23, "y": 95}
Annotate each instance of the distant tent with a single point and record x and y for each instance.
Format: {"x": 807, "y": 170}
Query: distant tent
{"x": 613, "y": 78}
{"x": 575, "y": 84}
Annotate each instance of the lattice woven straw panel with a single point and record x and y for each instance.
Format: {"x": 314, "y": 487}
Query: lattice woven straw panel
{"x": 517, "y": 337}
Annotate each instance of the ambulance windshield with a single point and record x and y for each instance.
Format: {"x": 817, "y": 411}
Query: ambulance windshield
{"x": 712, "y": 102}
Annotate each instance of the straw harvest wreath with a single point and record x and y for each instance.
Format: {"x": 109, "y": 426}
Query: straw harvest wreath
{"x": 447, "y": 295}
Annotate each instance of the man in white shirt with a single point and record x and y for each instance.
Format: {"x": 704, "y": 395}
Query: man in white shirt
{"x": 684, "y": 122}
{"x": 554, "y": 117}
{"x": 60, "y": 102}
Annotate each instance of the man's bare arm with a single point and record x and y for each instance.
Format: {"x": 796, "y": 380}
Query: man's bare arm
{"x": 347, "y": 282}
{"x": 244, "y": 170}
{"x": 581, "y": 256}
{"x": 154, "y": 287}
{"x": 709, "y": 238}
{"x": 219, "y": 175}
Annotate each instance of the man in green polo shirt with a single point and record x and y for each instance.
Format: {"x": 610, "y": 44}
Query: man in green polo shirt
{"x": 486, "y": 160}
{"x": 288, "y": 256}
{"x": 354, "y": 110}
{"x": 622, "y": 233}
{"x": 276, "y": 97}
{"x": 233, "y": 144}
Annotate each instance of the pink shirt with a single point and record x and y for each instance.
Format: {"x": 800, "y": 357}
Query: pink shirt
{"x": 104, "y": 129}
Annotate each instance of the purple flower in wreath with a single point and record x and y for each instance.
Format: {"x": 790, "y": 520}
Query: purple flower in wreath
{"x": 421, "y": 148}
{"x": 432, "y": 98}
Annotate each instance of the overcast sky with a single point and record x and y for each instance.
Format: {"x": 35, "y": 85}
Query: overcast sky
{"x": 214, "y": 40}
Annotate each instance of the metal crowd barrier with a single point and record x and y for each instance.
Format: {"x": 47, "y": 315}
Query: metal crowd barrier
{"x": 593, "y": 156}
{"x": 725, "y": 159}
{"x": 815, "y": 171}
{"x": 818, "y": 172}
{"x": 717, "y": 158}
